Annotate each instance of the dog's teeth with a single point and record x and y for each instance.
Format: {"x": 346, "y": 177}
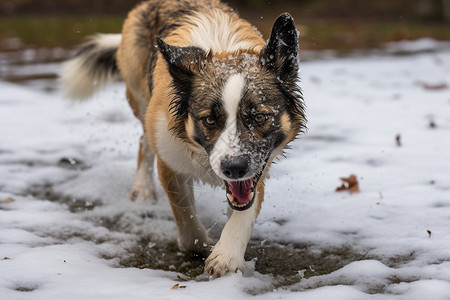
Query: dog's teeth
{"x": 230, "y": 197}
{"x": 250, "y": 197}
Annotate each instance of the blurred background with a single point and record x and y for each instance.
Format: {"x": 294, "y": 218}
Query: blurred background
{"x": 40, "y": 33}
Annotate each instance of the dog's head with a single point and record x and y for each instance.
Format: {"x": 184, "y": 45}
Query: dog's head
{"x": 242, "y": 108}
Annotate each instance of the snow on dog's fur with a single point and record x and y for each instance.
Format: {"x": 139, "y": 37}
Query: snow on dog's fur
{"x": 217, "y": 103}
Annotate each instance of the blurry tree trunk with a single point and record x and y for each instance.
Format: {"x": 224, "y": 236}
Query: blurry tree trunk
{"x": 435, "y": 9}
{"x": 446, "y": 10}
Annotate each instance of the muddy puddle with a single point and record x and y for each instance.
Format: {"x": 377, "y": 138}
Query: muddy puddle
{"x": 287, "y": 263}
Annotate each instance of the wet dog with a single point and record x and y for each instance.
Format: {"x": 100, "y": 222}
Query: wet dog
{"x": 218, "y": 103}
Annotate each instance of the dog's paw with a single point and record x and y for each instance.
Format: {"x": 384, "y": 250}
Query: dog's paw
{"x": 142, "y": 193}
{"x": 222, "y": 261}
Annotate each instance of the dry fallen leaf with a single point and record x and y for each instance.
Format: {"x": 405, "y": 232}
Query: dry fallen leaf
{"x": 178, "y": 286}
{"x": 8, "y": 200}
{"x": 6, "y": 257}
{"x": 433, "y": 86}
{"x": 429, "y": 233}
{"x": 350, "y": 184}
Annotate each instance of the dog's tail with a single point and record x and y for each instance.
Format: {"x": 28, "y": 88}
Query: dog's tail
{"x": 93, "y": 67}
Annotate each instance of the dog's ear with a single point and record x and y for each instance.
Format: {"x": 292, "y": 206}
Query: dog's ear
{"x": 180, "y": 60}
{"x": 181, "y": 63}
{"x": 279, "y": 55}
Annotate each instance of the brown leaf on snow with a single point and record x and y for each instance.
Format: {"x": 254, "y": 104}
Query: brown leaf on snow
{"x": 178, "y": 286}
{"x": 429, "y": 233}
{"x": 350, "y": 184}
{"x": 433, "y": 86}
{"x": 8, "y": 200}
{"x": 6, "y": 257}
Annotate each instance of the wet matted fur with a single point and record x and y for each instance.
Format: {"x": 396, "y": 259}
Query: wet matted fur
{"x": 217, "y": 103}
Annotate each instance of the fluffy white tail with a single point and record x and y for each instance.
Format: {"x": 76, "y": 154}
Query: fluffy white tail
{"x": 92, "y": 68}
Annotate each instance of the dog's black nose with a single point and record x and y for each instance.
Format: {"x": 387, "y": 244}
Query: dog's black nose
{"x": 234, "y": 167}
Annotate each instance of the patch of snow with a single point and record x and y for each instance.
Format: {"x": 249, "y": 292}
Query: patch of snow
{"x": 414, "y": 46}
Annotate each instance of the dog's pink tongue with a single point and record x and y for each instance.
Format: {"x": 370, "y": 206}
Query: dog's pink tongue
{"x": 241, "y": 190}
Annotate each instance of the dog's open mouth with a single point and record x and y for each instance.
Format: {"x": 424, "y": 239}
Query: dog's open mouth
{"x": 241, "y": 194}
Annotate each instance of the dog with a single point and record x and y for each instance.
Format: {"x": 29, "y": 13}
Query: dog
{"x": 217, "y": 103}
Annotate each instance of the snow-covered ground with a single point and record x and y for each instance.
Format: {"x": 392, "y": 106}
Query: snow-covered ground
{"x": 68, "y": 230}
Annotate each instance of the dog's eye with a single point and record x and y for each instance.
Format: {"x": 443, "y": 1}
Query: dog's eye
{"x": 210, "y": 121}
{"x": 259, "y": 118}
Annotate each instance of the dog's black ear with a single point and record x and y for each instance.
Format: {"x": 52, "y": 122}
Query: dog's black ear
{"x": 280, "y": 56}
{"x": 280, "y": 53}
{"x": 181, "y": 60}
{"x": 181, "y": 63}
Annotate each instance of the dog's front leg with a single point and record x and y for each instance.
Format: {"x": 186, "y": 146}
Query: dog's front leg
{"x": 228, "y": 253}
{"x": 192, "y": 235}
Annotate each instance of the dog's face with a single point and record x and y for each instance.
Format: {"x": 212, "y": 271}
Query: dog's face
{"x": 241, "y": 108}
